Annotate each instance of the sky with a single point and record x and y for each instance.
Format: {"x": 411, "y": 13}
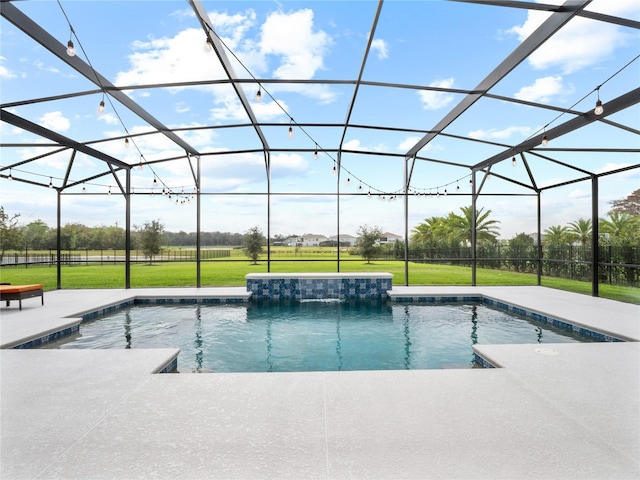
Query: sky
{"x": 447, "y": 45}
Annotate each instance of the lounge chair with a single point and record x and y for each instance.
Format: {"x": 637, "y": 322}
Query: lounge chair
{"x": 20, "y": 292}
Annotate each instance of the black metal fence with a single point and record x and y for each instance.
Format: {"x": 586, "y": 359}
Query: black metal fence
{"x": 26, "y": 258}
{"x": 616, "y": 265}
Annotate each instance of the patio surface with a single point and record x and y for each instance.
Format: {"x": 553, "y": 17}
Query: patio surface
{"x": 90, "y": 414}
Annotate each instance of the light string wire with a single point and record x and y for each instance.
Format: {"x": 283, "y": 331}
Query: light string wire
{"x": 596, "y": 89}
{"x": 169, "y": 191}
{"x": 318, "y": 147}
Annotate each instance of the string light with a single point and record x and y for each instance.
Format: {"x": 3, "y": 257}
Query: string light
{"x": 348, "y": 182}
{"x": 545, "y": 139}
{"x": 259, "y": 95}
{"x": 513, "y": 162}
{"x": 50, "y": 182}
{"x": 101, "y": 105}
{"x": 126, "y": 142}
{"x": 71, "y": 50}
{"x": 10, "y": 176}
{"x": 334, "y": 171}
{"x": 599, "y": 108}
{"x": 207, "y": 45}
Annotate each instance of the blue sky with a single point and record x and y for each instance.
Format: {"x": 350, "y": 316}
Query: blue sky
{"x": 425, "y": 43}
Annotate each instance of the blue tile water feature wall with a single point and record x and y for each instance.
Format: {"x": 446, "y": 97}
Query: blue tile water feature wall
{"x": 319, "y": 286}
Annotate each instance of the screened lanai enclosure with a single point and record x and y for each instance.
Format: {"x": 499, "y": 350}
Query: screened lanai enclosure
{"x": 313, "y": 119}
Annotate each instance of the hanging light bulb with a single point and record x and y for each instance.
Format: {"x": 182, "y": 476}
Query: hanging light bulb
{"x": 360, "y": 187}
{"x": 445, "y": 191}
{"x": 290, "y": 131}
{"x": 10, "y": 176}
{"x": 101, "y": 107}
{"x": 208, "y": 46}
{"x": 315, "y": 154}
{"x": 545, "y": 140}
{"x": 334, "y": 171}
{"x": 71, "y": 50}
{"x": 457, "y": 187}
{"x": 599, "y": 108}
{"x": 348, "y": 182}
{"x": 155, "y": 181}
{"x": 109, "y": 192}
{"x": 126, "y": 142}
{"x": 50, "y": 182}
{"x": 259, "y": 95}
{"x": 84, "y": 190}
{"x": 513, "y": 162}
{"x": 369, "y": 193}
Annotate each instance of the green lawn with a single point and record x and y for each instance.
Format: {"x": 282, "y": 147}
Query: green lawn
{"x": 232, "y": 273}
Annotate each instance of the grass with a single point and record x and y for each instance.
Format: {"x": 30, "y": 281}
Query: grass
{"x": 232, "y": 273}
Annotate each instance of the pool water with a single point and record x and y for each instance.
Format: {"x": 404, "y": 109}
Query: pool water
{"x": 293, "y": 336}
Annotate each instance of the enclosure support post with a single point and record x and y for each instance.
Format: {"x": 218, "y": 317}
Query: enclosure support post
{"x": 58, "y": 249}
{"x": 338, "y": 208}
{"x": 473, "y": 228}
{"x": 539, "y": 242}
{"x": 268, "y": 163}
{"x": 595, "y": 253}
{"x": 127, "y": 232}
{"x": 198, "y": 214}
{"x": 406, "y": 221}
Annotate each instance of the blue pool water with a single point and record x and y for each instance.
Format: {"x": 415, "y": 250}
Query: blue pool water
{"x": 292, "y": 336}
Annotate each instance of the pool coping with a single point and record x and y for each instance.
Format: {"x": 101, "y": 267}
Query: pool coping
{"x": 239, "y": 295}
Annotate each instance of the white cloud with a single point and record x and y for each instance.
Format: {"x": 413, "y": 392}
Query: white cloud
{"x": 353, "y": 145}
{"x": 579, "y": 193}
{"x": 543, "y": 89}
{"x": 581, "y": 43}
{"x": 381, "y": 47}
{"x": 182, "y": 107}
{"x": 109, "y": 118}
{"x": 504, "y": 134}
{"x": 432, "y": 100}
{"x": 170, "y": 60}
{"x": 55, "y": 121}
{"x": 5, "y": 72}
{"x": 408, "y": 143}
{"x": 301, "y": 58}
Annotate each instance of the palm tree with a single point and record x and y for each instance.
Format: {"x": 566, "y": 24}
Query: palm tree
{"x": 581, "y": 230}
{"x": 623, "y": 228}
{"x": 428, "y": 232}
{"x": 487, "y": 231}
{"x": 556, "y": 235}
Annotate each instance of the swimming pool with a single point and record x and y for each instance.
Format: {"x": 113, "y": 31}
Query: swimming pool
{"x": 294, "y": 336}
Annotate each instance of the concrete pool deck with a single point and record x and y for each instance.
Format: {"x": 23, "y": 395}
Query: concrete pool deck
{"x": 569, "y": 411}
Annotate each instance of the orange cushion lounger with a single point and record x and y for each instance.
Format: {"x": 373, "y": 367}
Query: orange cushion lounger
{"x": 18, "y": 292}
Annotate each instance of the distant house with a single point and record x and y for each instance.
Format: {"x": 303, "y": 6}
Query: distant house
{"x": 306, "y": 240}
{"x": 388, "y": 237}
{"x": 346, "y": 240}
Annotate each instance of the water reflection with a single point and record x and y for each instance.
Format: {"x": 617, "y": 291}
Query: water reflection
{"x": 474, "y": 332}
{"x": 407, "y": 340}
{"x": 338, "y": 344}
{"x": 269, "y": 346}
{"x": 127, "y": 330}
{"x": 474, "y": 325}
{"x": 198, "y": 341}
